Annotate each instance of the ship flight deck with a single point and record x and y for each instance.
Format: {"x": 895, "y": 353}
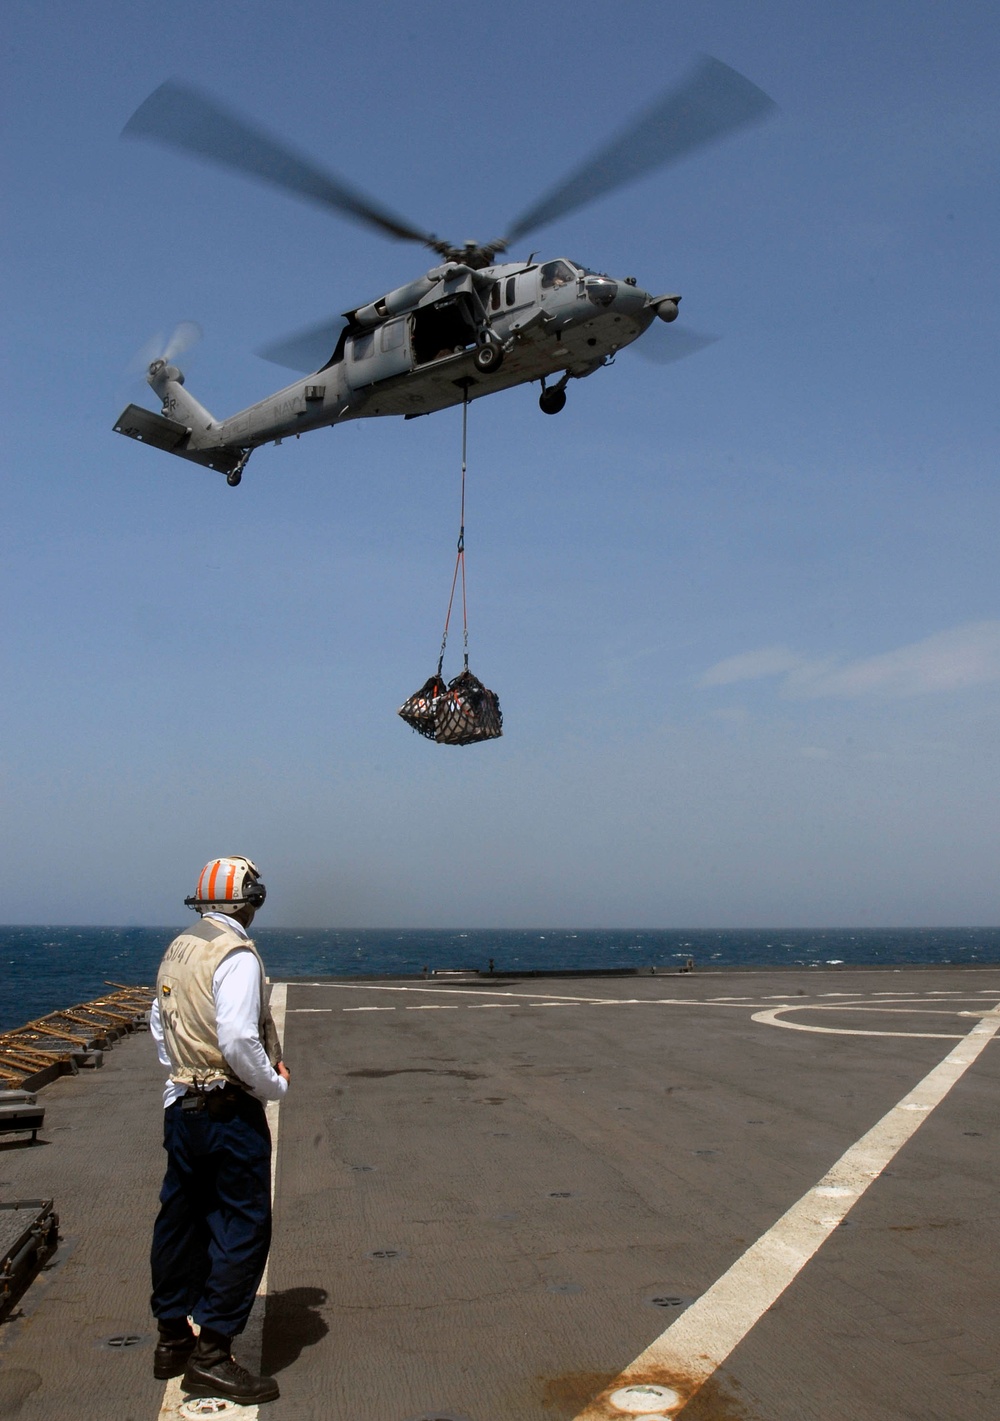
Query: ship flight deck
{"x": 727, "y": 1196}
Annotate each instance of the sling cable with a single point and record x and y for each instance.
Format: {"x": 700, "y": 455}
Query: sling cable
{"x": 461, "y": 711}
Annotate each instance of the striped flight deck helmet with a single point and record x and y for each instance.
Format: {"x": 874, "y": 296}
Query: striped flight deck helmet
{"x": 227, "y": 883}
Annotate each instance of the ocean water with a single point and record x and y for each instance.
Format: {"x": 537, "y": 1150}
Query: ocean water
{"x": 45, "y": 968}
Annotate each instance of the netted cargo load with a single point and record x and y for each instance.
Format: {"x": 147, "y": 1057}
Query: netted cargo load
{"x": 418, "y": 710}
{"x": 466, "y": 712}
{"x": 459, "y": 713}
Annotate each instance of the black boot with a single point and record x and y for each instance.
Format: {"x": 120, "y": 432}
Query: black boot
{"x": 213, "y": 1371}
{"x": 173, "y": 1348}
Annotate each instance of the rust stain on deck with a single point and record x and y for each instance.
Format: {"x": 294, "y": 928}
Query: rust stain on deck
{"x": 569, "y": 1394}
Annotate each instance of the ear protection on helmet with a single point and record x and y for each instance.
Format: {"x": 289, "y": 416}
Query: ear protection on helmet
{"x": 254, "y": 892}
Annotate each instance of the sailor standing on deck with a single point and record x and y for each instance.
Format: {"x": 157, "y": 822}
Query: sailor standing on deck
{"x": 213, "y": 1031}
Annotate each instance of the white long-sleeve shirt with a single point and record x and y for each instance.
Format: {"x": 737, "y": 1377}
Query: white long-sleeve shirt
{"x": 236, "y": 989}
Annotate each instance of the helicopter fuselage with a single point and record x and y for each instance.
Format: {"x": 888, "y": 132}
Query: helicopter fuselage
{"x": 456, "y": 334}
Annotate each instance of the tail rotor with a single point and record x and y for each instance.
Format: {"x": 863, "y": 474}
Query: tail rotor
{"x": 162, "y": 350}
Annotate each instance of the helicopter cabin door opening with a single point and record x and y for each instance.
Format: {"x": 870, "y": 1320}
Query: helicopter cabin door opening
{"x": 378, "y": 354}
{"x": 447, "y": 327}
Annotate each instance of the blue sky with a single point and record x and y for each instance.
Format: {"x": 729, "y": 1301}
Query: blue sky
{"x": 742, "y": 612}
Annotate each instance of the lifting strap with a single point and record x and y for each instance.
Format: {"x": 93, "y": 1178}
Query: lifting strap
{"x": 464, "y": 711}
{"x": 460, "y": 555}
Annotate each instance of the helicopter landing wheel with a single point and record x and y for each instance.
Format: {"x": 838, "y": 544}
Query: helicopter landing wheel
{"x": 488, "y": 357}
{"x": 552, "y": 401}
{"x": 236, "y": 472}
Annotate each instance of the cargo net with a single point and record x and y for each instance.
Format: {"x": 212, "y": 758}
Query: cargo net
{"x": 462, "y": 711}
{"x": 459, "y": 713}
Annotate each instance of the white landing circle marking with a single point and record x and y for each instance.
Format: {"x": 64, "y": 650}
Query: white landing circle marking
{"x": 887, "y": 1008}
{"x": 773, "y": 1018}
{"x": 647, "y": 1399}
{"x": 696, "y": 1345}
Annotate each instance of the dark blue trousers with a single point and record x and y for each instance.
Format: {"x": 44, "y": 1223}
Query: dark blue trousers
{"x": 213, "y": 1231}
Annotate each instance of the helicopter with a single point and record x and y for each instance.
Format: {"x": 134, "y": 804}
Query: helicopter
{"x": 473, "y": 324}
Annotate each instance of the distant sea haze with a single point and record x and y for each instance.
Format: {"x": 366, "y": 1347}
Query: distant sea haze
{"x": 45, "y": 968}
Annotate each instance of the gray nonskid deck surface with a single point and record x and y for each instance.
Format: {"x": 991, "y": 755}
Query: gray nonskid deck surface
{"x": 489, "y": 1204}
{"x": 100, "y": 1159}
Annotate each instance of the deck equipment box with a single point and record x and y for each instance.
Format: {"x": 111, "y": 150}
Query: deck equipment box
{"x": 29, "y": 1233}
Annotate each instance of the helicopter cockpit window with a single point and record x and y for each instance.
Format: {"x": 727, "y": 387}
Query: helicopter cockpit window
{"x": 557, "y": 274}
{"x": 601, "y": 290}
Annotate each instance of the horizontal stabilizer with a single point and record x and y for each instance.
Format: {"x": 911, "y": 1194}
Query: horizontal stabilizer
{"x": 163, "y": 433}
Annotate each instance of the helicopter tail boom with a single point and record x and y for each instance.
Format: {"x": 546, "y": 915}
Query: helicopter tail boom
{"x": 184, "y": 427}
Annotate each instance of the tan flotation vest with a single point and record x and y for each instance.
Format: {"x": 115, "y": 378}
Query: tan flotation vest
{"x": 187, "y": 1004}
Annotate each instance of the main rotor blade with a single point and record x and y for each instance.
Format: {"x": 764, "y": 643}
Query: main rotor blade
{"x": 182, "y": 117}
{"x": 713, "y": 101}
{"x": 307, "y": 350}
{"x": 662, "y": 345}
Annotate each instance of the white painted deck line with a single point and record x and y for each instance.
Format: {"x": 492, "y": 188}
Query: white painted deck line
{"x": 250, "y": 1344}
{"x": 910, "y": 1006}
{"x": 463, "y": 992}
{"x": 687, "y": 1354}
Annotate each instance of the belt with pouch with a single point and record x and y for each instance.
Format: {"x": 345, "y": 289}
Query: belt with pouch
{"x": 219, "y": 1100}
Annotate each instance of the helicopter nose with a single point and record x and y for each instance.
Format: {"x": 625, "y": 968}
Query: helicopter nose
{"x": 630, "y": 299}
